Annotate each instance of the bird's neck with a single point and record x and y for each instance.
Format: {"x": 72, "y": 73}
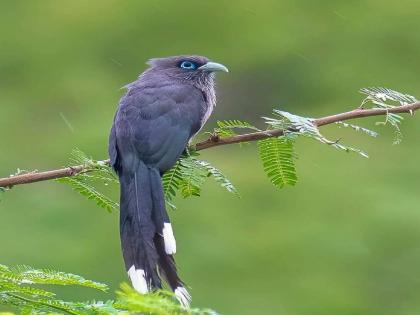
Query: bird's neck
{"x": 207, "y": 87}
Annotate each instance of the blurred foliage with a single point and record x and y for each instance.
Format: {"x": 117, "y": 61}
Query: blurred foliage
{"x": 345, "y": 240}
{"x": 20, "y": 288}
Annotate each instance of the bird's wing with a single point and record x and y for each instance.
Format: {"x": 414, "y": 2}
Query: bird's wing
{"x": 155, "y": 124}
{"x": 112, "y": 148}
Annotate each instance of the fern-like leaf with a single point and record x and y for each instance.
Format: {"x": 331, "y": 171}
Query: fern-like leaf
{"x": 79, "y": 184}
{"x": 386, "y": 98}
{"x": 277, "y": 157}
{"x": 226, "y": 128}
{"x": 84, "y": 183}
{"x": 188, "y": 176}
{"x": 381, "y": 95}
{"x": 369, "y": 132}
{"x": 27, "y": 275}
{"x": 217, "y": 175}
{"x": 171, "y": 181}
{"x": 159, "y": 303}
{"x": 18, "y": 290}
{"x": 193, "y": 178}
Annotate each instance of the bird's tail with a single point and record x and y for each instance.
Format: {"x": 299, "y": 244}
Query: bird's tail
{"x": 146, "y": 233}
{"x": 165, "y": 241}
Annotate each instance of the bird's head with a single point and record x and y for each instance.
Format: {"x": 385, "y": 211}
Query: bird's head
{"x": 198, "y": 69}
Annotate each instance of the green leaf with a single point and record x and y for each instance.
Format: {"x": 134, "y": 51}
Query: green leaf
{"x": 171, "y": 181}
{"x": 27, "y": 275}
{"x": 386, "y": 98}
{"x": 277, "y": 157}
{"x": 217, "y": 175}
{"x": 381, "y": 95}
{"x": 369, "y": 132}
{"x": 226, "y": 128}
{"x": 18, "y": 290}
{"x": 193, "y": 177}
{"x": 188, "y": 176}
{"x": 85, "y": 183}
{"x": 79, "y": 184}
{"x": 11, "y": 287}
{"x": 159, "y": 303}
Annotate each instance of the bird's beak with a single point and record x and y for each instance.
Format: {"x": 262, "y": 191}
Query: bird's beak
{"x": 213, "y": 66}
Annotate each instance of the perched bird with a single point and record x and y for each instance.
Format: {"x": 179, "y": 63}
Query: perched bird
{"x": 156, "y": 118}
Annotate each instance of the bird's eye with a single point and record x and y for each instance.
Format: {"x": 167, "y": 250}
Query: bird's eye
{"x": 188, "y": 65}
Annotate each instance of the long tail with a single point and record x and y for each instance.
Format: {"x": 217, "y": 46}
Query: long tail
{"x": 147, "y": 239}
{"x": 165, "y": 241}
{"x": 137, "y": 229}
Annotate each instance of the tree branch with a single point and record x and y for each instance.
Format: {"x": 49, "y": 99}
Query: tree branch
{"x": 212, "y": 141}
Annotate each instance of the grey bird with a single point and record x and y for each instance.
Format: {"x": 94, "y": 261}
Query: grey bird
{"x": 155, "y": 120}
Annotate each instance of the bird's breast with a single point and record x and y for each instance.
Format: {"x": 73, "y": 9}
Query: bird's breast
{"x": 209, "y": 96}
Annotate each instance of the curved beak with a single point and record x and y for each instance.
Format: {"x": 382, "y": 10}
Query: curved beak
{"x": 213, "y": 66}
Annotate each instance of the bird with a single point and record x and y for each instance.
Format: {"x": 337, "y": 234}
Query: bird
{"x": 155, "y": 121}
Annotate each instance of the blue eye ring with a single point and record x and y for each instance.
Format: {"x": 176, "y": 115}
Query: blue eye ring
{"x": 188, "y": 65}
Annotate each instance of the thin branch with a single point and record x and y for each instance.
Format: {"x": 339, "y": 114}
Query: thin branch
{"x": 255, "y": 136}
{"x": 36, "y": 176}
{"x": 213, "y": 141}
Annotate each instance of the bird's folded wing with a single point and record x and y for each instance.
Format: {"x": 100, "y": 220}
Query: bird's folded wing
{"x": 157, "y": 126}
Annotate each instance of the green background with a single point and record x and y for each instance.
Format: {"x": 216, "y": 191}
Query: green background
{"x": 345, "y": 240}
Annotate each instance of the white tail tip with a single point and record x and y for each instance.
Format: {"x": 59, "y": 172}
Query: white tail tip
{"x": 183, "y": 296}
{"x": 138, "y": 279}
{"x": 169, "y": 239}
